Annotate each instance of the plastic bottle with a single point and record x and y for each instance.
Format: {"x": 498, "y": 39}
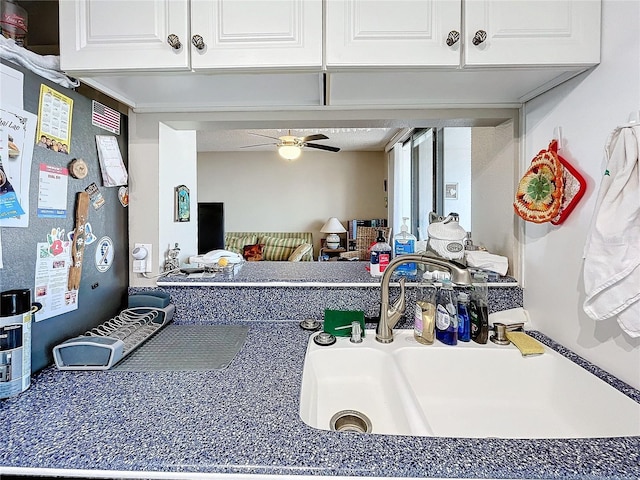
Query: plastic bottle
{"x": 446, "y": 315}
{"x": 479, "y": 309}
{"x": 14, "y": 22}
{"x": 464, "y": 322}
{"x": 380, "y": 256}
{"x": 424, "y": 321}
{"x": 403, "y": 244}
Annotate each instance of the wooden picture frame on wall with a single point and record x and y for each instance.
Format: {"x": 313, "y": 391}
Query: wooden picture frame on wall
{"x": 182, "y": 204}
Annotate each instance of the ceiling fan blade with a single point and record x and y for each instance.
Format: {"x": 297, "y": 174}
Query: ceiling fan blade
{"x": 261, "y": 135}
{"x": 258, "y": 145}
{"x": 322, "y": 147}
{"x": 311, "y": 138}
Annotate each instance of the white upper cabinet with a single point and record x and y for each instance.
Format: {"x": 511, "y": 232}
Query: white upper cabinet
{"x": 115, "y": 35}
{"x": 103, "y": 35}
{"x": 437, "y": 33}
{"x": 163, "y": 55}
{"x": 393, "y": 33}
{"x": 541, "y": 32}
{"x": 259, "y": 33}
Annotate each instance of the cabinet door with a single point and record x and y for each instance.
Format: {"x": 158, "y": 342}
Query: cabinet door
{"x": 104, "y": 35}
{"x": 392, "y": 32}
{"x": 532, "y": 32}
{"x": 257, "y": 33}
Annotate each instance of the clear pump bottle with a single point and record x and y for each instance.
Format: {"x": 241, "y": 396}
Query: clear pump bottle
{"x": 405, "y": 243}
{"x": 425, "y": 314}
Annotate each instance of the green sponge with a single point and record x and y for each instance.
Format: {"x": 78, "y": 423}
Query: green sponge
{"x": 338, "y": 322}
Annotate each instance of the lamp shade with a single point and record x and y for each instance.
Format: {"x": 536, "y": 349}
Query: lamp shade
{"x": 333, "y": 225}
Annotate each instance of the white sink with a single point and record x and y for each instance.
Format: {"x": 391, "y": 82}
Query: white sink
{"x": 469, "y": 390}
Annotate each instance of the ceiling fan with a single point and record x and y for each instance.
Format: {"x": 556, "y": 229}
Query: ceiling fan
{"x": 290, "y": 146}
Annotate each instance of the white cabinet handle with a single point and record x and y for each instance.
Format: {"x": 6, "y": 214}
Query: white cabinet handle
{"x": 479, "y": 37}
{"x": 198, "y": 42}
{"x": 174, "y": 41}
{"x": 453, "y": 38}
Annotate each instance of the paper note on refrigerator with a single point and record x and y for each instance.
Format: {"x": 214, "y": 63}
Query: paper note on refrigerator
{"x": 113, "y": 170}
{"x": 17, "y": 134}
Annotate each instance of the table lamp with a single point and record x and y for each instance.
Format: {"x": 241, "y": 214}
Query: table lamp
{"x": 332, "y": 227}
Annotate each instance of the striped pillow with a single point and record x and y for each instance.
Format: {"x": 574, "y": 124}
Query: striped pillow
{"x": 278, "y": 249}
{"x": 236, "y": 244}
{"x": 300, "y": 252}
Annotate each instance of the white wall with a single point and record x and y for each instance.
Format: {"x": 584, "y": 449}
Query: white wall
{"x": 588, "y": 108}
{"x": 143, "y": 189}
{"x": 178, "y": 166}
{"x": 457, "y": 169}
{"x": 160, "y": 159}
{"x": 263, "y": 192}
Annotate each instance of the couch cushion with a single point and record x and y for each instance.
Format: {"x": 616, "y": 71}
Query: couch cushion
{"x": 236, "y": 244}
{"x": 279, "y": 249}
{"x": 307, "y": 237}
{"x": 299, "y": 252}
{"x": 252, "y": 253}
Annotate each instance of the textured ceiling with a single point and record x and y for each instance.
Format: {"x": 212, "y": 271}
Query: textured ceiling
{"x": 347, "y": 139}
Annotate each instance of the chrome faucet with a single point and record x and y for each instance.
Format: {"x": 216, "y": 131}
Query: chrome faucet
{"x": 390, "y": 314}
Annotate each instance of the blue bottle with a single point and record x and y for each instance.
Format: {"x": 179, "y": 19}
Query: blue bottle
{"x": 464, "y": 320}
{"x": 446, "y": 315}
{"x": 404, "y": 243}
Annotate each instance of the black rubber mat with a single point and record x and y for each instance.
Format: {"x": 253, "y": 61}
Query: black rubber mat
{"x": 187, "y": 347}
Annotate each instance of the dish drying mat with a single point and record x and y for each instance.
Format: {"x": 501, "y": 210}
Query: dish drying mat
{"x": 187, "y": 348}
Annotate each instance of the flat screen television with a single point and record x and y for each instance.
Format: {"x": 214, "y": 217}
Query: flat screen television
{"x": 210, "y": 226}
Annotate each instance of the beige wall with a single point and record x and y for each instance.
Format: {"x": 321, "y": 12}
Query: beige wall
{"x": 263, "y": 192}
{"x": 494, "y": 170}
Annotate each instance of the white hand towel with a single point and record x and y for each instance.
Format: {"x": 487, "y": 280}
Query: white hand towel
{"x": 487, "y": 261}
{"x": 510, "y": 316}
{"x": 612, "y": 251}
{"x": 47, "y": 66}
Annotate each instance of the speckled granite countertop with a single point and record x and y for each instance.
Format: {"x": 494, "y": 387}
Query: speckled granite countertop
{"x": 295, "y": 273}
{"x": 245, "y": 420}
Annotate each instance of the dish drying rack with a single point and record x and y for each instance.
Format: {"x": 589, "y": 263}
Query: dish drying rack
{"x": 107, "y": 344}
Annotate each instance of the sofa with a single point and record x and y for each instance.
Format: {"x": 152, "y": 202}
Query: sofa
{"x": 272, "y": 246}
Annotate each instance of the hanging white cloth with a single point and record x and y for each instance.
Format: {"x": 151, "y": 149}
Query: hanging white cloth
{"x": 47, "y": 66}
{"x": 612, "y": 251}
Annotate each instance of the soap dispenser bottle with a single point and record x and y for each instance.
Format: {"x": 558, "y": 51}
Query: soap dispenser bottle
{"x": 446, "y": 315}
{"x": 380, "y": 256}
{"x": 425, "y": 314}
{"x": 464, "y": 322}
{"x": 405, "y": 243}
{"x": 479, "y": 309}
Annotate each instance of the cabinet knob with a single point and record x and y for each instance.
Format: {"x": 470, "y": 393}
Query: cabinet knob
{"x": 453, "y": 38}
{"x": 198, "y": 42}
{"x": 174, "y": 41}
{"x": 479, "y": 37}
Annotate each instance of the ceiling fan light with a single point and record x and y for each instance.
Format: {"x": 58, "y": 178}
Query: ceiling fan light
{"x": 289, "y": 152}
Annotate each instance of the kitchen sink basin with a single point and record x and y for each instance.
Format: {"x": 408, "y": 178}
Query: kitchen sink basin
{"x": 470, "y": 390}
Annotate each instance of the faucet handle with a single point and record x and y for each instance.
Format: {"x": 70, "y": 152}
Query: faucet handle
{"x": 501, "y": 329}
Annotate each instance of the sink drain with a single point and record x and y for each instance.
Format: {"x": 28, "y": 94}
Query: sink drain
{"x": 350, "y": 421}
